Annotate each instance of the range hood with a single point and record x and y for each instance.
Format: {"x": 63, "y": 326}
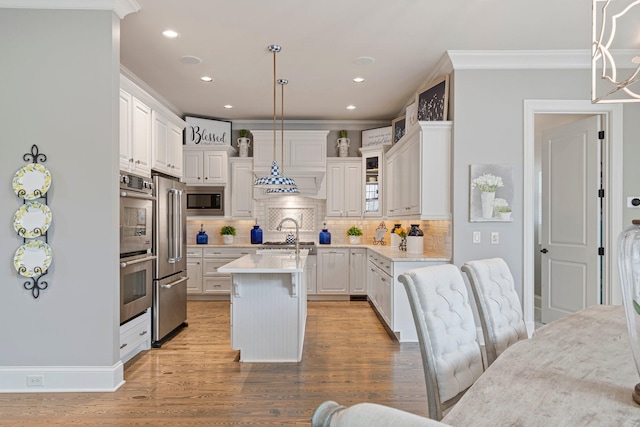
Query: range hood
{"x": 311, "y": 183}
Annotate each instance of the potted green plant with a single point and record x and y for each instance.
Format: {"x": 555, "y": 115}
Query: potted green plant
{"x": 227, "y": 232}
{"x": 243, "y": 143}
{"x": 354, "y": 234}
{"x": 343, "y": 143}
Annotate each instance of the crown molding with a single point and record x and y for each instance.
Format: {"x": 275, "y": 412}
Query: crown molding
{"x": 519, "y": 59}
{"x": 120, "y": 7}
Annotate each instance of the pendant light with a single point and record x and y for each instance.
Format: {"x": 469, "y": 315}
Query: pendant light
{"x": 276, "y": 182}
{"x": 282, "y": 190}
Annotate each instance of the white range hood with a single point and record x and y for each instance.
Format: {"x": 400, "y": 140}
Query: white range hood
{"x": 304, "y": 155}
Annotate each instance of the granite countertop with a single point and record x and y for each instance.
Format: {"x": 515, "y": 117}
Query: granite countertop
{"x": 268, "y": 262}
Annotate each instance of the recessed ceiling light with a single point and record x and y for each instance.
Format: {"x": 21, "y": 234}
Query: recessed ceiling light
{"x": 364, "y": 60}
{"x": 206, "y": 79}
{"x": 358, "y": 79}
{"x": 351, "y": 107}
{"x": 228, "y": 107}
{"x": 170, "y": 34}
{"x": 187, "y": 59}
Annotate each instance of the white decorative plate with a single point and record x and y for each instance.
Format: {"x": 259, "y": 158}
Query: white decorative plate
{"x": 32, "y": 258}
{"x": 31, "y": 181}
{"x": 32, "y": 219}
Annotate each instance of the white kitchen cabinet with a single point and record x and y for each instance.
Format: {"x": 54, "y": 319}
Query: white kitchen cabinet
{"x": 418, "y": 173}
{"x": 166, "y": 145}
{"x": 242, "y": 187}
{"x": 194, "y": 270}
{"x": 358, "y": 272}
{"x": 206, "y": 283}
{"x": 344, "y": 187}
{"x": 311, "y": 272}
{"x": 333, "y": 271}
{"x": 135, "y": 336}
{"x": 302, "y": 149}
{"x": 208, "y": 167}
{"x": 388, "y": 296}
{"x": 373, "y": 180}
{"x": 135, "y": 135}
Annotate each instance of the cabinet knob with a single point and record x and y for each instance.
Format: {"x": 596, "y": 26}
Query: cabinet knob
{"x": 169, "y": 166}
{"x": 206, "y": 177}
{"x": 130, "y": 160}
{"x": 137, "y": 162}
{"x": 199, "y": 178}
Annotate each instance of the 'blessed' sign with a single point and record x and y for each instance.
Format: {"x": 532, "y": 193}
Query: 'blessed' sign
{"x": 207, "y": 132}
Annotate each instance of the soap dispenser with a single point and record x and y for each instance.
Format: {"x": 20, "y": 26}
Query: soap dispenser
{"x": 256, "y": 234}
{"x": 325, "y": 236}
{"x": 202, "y": 238}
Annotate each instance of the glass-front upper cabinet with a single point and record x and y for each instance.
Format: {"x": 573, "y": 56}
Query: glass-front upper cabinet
{"x": 372, "y": 164}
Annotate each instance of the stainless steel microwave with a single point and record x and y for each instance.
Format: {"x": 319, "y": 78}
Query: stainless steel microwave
{"x": 205, "y": 200}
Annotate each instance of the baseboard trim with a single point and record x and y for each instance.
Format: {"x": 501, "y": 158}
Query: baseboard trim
{"x": 56, "y": 379}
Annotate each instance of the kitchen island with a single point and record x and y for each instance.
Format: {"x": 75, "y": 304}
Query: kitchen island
{"x": 268, "y": 305}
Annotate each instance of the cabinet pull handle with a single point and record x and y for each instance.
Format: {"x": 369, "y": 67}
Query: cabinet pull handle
{"x": 143, "y": 333}
{"x": 123, "y": 346}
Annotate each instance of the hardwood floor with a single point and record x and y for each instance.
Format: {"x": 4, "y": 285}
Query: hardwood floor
{"x": 194, "y": 378}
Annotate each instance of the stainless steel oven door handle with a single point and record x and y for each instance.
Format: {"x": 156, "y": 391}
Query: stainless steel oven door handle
{"x": 137, "y": 195}
{"x": 172, "y": 284}
{"x": 137, "y": 261}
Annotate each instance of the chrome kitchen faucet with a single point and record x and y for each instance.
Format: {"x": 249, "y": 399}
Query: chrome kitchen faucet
{"x": 279, "y": 228}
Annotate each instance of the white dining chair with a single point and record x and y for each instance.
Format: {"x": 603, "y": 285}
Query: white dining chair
{"x": 446, "y": 330}
{"x": 498, "y": 305}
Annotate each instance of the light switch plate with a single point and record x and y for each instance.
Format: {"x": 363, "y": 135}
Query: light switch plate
{"x": 495, "y": 238}
{"x": 476, "y": 237}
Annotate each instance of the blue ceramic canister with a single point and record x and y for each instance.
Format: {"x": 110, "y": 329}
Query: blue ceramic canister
{"x": 202, "y": 238}
{"x": 256, "y": 235}
{"x": 324, "y": 237}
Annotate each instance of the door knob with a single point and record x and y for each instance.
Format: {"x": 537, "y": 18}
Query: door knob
{"x": 544, "y": 250}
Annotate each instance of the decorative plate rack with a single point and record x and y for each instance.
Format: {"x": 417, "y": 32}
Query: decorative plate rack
{"x": 32, "y": 221}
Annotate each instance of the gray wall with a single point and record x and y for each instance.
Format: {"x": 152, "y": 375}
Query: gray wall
{"x": 488, "y": 128}
{"x": 59, "y": 82}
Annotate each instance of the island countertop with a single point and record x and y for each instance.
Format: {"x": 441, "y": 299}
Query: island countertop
{"x": 272, "y": 261}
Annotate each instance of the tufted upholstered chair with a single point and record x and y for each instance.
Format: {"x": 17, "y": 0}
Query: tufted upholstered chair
{"x": 444, "y": 321}
{"x": 498, "y": 305}
{"x": 330, "y": 414}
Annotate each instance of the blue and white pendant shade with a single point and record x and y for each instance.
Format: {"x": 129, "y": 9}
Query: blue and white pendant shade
{"x": 283, "y": 191}
{"x": 275, "y": 180}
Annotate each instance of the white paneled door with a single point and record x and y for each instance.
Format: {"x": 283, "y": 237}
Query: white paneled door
{"x": 571, "y": 218}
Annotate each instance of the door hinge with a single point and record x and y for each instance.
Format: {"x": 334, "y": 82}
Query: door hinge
{"x": 601, "y": 251}
{"x": 601, "y": 134}
{"x": 601, "y": 193}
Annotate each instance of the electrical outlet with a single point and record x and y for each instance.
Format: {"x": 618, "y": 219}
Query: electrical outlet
{"x": 495, "y": 238}
{"x": 476, "y": 237}
{"x": 35, "y": 380}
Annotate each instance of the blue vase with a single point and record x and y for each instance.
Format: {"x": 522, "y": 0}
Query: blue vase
{"x": 256, "y": 235}
{"x": 202, "y": 238}
{"x": 325, "y": 237}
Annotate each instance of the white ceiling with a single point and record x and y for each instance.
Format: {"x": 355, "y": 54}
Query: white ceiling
{"x": 320, "y": 40}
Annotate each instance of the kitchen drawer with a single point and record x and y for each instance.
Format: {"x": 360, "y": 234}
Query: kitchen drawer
{"x": 135, "y": 336}
{"x": 216, "y": 285}
{"x": 194, "y": 252}
{"x": 381, "y": 262}
{"x": 210, "y": 265}
{"x": 233, "y": 252}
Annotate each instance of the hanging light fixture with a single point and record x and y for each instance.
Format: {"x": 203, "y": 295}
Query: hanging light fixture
{"x": 276, "y": 182}
{"x": 282, "y": 190}
{"x": 615, "y": 60}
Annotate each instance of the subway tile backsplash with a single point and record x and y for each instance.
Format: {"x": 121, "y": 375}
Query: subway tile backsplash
{"x": 437, "y": 234}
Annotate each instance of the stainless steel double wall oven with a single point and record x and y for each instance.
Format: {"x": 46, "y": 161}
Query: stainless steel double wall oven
{"x": 136, "y": 256}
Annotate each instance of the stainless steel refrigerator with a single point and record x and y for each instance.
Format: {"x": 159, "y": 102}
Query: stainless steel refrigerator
{"x": 169, "y": 309}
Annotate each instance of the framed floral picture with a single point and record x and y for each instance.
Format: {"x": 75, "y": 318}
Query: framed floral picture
{"x": 433, "y": 99}
{"x": 491, "y": 193}
{"x": 398, "y": 128}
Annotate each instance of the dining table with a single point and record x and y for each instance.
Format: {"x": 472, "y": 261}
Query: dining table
{"x": 574, "y": 371}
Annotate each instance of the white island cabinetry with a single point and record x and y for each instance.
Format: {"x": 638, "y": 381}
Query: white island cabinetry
{"x": 268, "y": 306}
{"x": 333, "y": 271}
{"x": 205, "y": 281}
